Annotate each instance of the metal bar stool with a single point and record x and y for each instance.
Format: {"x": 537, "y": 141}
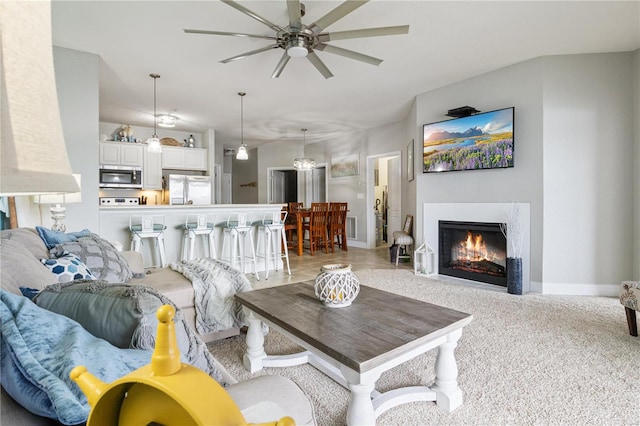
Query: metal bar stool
{"x": 148, "y": 227}
{"x": 194, "y": 225}
{"x": 271, "y": 232}
{"x": 236, "y": 231}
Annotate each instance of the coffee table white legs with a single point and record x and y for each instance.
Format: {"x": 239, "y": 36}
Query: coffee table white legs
{"x": 360, "y": 410}
{"x": 366, "y": 403}
{"x": 252, "y": 359}
{"x": 448, "y": 393}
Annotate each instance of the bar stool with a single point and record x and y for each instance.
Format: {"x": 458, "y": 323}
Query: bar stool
{"x": 194, "y": 225}
{"x": 271, "y": 232}
{"x": 148, "y": 227}
{"x": 236, "y": 230}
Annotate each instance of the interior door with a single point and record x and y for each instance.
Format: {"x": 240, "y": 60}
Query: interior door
{"x": 318, "y": 185}
{"x": 394, "y": 222}
{"x": 277, "y": 186}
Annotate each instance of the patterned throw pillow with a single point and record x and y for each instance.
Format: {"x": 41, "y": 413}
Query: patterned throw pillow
{"x": 104, "y": 261}
{"x": 68, "y": 267}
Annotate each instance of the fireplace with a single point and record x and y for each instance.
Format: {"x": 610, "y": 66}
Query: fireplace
{"x": 472, "y": 250}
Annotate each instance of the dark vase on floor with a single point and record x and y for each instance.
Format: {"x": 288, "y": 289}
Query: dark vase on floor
{"x": 514, "y": 275}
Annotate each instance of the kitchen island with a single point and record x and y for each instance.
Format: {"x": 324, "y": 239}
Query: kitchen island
{"x": 114, "y": 226}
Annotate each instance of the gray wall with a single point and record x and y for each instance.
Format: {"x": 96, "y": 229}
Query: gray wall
{"x": 636, "y": 167}
{"x": 573, "y": 139}
{"x": 245, "y": 172}
{"x": 78, "y": 96}
{"x": 588, "y": 169}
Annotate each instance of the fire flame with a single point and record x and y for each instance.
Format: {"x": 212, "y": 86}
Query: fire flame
{"x": 473, "y": 248}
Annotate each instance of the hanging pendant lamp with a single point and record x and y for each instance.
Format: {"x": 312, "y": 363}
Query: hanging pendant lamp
{"x": 153, "y": 143}
{"x": 242, "y": 151}
{"x": 304, "y": 163}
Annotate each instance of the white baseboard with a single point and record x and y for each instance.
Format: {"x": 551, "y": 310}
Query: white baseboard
{"x": 580, "y": 289}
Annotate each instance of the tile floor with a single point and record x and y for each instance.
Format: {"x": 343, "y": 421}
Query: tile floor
{"x": 306, "y": 267}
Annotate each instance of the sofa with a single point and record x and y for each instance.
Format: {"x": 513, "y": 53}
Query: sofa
{"x": 30, "y": 267}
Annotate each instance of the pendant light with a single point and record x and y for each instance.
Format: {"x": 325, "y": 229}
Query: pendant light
{"x": 304, "y": 163}
{"x": 242, "y": 151}
{"x": 153, "y": 143}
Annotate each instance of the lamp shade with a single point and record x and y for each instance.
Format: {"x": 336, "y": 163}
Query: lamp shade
{"x": 65, "y": 198}
{"x": 33, "y": 153}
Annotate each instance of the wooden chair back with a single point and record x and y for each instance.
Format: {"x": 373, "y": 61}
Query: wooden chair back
{"x": 318, "y": 217}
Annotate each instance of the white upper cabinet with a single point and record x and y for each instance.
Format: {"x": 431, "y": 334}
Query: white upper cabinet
{"x": 121, "y": 154}
{"x": 152, "y": 170}
{"x": 184, "y": 158}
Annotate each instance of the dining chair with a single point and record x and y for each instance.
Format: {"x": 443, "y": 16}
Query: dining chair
{"x": 338, "y": 225}
{"x": 291, "y": 223}
{"x": 317, "y": 226}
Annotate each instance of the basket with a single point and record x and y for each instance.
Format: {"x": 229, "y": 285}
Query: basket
{"x": 170, "y": 142}
{"x": 336, "y": 285}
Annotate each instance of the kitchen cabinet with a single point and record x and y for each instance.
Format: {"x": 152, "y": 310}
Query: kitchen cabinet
{"x": 121, "y": 154}
{"x": 184, "y": 158}
{"x": 152, "y": 170}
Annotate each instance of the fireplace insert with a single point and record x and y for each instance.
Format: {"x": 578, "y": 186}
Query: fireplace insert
{"x": 472, "y": 250}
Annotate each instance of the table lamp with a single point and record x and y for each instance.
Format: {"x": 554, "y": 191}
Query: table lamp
{"x": 33, "y": 154}
{"x": 57, "y": 210}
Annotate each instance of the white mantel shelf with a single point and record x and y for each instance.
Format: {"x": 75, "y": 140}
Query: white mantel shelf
{"x": 114, "y": 223}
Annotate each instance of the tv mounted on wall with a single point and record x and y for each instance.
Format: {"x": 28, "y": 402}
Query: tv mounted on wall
{"x": 479, "y": 141}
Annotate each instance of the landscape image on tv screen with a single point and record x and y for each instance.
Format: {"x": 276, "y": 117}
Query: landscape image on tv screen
{"x": 480, "y": 141}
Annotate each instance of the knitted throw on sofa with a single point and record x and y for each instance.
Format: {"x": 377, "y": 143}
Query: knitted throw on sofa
{"x": 214, "y": 283}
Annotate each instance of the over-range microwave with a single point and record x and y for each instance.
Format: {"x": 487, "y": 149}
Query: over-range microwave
{"x": 120, "y": 177}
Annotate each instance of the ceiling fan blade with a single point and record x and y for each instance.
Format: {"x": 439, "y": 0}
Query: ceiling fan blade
{"x": 229, "y": 34}
{"x": 320, "y": 66}
{"x": 348, "y": 54}
{"x": 336, "y": 14}
{"x": 253, "y": 52}
{"x": 255, "y": 16}
{"x": 283, "y": 61}
{"x": 293, "y": 7}
{"x": 365, "y": 32}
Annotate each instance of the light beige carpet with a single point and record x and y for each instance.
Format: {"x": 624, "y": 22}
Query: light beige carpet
{"x": 523, "y": 360}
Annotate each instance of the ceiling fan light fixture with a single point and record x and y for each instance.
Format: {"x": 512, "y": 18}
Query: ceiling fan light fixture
{"x": 167, "y": 120}
{"x": 297, "y": 47}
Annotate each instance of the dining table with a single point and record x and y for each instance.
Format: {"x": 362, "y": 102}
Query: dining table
{"x": 301, "y": 214}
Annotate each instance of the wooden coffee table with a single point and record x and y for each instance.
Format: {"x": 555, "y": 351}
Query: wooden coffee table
{"x": 356, "y": 344}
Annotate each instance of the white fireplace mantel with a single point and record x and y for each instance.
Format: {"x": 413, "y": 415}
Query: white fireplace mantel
{"x": 478, "y": 212}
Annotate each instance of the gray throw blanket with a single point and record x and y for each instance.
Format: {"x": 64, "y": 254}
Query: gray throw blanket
{"x": 214, "y": 284}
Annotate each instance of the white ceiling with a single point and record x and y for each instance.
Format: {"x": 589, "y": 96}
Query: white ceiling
{"x": 448, "y": 41}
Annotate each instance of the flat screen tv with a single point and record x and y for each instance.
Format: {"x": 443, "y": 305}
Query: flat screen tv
{"x": 480, "y": 141}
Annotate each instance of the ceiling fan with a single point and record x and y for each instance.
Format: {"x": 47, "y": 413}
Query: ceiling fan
{"x": 299, "y": 40}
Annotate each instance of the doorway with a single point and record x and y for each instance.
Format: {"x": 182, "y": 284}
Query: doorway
{"x": 282, "y": 185}
{"x": 384, "y": 193}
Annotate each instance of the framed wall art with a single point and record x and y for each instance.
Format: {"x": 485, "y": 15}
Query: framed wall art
{"x": 345, "y": 166}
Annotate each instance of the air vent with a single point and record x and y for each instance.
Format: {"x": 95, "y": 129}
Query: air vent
{"x": 352, "y": 227}
{"x": 229, "y": 152}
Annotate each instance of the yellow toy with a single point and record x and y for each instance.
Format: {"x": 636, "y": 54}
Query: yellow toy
{"x": 165, "y": 392}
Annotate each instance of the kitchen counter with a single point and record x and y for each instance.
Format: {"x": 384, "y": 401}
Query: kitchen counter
{"x": 216, "y": 207}
{"x": 114, "y": 225}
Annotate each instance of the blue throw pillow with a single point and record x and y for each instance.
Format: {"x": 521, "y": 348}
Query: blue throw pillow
{"x": 68, "y": 267}
{"x": 51, "y": 238}
{"x": 29, "y": 293}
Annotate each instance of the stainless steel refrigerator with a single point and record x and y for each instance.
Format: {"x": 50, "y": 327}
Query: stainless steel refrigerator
{"x": 184, "y": 189}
